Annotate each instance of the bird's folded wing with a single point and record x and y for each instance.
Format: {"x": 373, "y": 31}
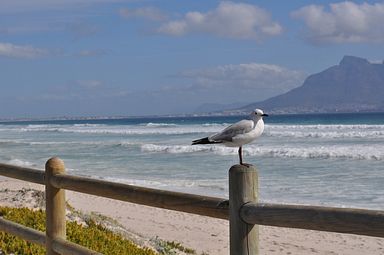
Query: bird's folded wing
{"x": 241, "y": 127}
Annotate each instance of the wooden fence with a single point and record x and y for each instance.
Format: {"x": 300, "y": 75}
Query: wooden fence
{"x": 242, "y": 209}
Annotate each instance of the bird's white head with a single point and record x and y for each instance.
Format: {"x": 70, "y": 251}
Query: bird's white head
{"x": 258, "y": 114}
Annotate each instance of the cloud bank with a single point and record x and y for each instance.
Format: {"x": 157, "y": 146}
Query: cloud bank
{"x": 345, "y": 22}
{"x": 18, "y": 51}
{"x": 151, "y": 13}
{"x": 246, "y": 77}
{"x": 229, "y": 19}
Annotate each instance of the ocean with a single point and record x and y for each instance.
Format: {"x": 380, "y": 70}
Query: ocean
{"x": 317, "y": 159}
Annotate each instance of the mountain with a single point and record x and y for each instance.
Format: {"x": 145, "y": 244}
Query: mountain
{"x": 355, "y": 85}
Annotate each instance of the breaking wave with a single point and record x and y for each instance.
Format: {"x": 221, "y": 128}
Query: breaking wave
{"x": 371, "y": 152}
{"x": 325, "y": 131}
{"x": 150, "y": 129}
{"x": 150, "y": 124}
{"x": 287, "y": 131}
{"x": 19, "y": 162}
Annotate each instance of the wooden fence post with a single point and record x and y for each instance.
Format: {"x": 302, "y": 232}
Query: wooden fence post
{"x": 243, "y": 188}
{"x": 55, "y": 205}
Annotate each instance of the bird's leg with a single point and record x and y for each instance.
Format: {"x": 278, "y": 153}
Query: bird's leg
{"x": 241, "y": 158}
{"x": 240, "y": 155}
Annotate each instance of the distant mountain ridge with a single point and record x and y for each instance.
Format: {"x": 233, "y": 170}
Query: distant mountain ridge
{"x": 355, "y": 85}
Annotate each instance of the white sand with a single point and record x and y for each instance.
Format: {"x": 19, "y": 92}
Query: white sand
{"x": 203, "y": 234}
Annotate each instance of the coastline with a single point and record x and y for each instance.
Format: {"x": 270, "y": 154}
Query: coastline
{"x": 183, "y": 115}
{"x": 203, "y": 234}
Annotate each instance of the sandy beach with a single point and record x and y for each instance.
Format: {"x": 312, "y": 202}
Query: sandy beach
{"x": 204, "y": 234}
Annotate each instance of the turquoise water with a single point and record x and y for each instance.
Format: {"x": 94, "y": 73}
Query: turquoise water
{"x": 331, "y": 159}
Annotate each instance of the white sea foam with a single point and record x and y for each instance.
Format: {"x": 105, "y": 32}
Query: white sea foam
{"x": 122, "y": 130}
{"x": 213, "y": 186}
{"x": 294, "y": 131}
{"x": 323, "y": 152}
{"x": 174, "y": 149}
{"x": 19, "y": 162}
{"x": 89, "y": 125}
{"x": 150, "y": 124}
{"x": 215, "y": 125}
{"x": 325, "y": 131}
{"x": 9, "y": 142}
{"x": 73, "y": 144}
{"x": 358, "y": 152}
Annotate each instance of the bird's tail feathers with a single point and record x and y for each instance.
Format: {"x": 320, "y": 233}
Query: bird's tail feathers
{"x": 204, "y": 140}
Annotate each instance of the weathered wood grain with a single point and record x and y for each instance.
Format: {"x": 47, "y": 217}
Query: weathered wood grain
{"x": 342, "y": 220}
{"x": 21, "y": 231}
{"x": 243, "y": 188}
{"x": 22, "y": 173}
{"x": 55, "y": 205}
{"x": 65, "y": 247}
{"x": 201, "y": 205}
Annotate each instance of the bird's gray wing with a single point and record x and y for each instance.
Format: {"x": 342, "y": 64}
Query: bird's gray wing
{"x": 241, "y": 127}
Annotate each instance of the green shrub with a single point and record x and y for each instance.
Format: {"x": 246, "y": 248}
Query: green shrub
{"x": 12, "y": 244}
{"x": 92, "y": 235}
{"x": 171, "y": 248}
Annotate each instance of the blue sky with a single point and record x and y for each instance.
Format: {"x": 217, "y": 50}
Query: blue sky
{"x": 116, "y": 57}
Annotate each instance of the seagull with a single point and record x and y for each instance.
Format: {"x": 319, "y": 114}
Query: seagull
{"x": 239, "y": 133}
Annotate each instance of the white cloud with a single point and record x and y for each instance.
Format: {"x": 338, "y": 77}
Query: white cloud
{"x": 224, "y": 85}
{"x": 345, "y": 22}
{"x": 227, "y": 84}
{"x": 17, "y": 51}
{"x": 229, "y": 19}
{"x": 251, "y": 76}
{"x": 151, "y": 13}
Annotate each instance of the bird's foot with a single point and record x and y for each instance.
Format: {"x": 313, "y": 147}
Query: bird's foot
{"x": 223, "y": 204}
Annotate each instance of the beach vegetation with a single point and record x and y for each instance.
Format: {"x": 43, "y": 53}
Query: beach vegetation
{"x": 91, "y": 235}
{"x": 171, "y": 247}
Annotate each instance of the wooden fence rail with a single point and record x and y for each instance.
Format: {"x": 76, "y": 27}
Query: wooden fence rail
{"x": 242, "y": 210}
{"x": 341, "y": 220}
{"x": 21, "y": 231}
